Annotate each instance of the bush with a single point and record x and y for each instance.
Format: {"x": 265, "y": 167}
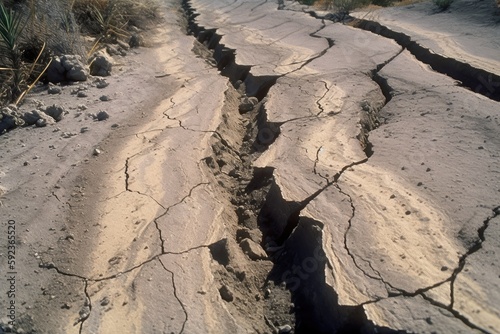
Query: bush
{"x": 443, "y": 4}
{"x": 11, "y": 28}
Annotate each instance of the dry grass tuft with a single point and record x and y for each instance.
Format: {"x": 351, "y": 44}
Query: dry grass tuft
{"x": 111, "y": 18}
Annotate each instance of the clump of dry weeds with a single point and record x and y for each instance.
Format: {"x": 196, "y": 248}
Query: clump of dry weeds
{"x": 36, "y": 30}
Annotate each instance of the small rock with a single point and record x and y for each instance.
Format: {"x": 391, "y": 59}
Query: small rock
{"x": 101, "y": 83}
{"x": 9, "y": 119}
{"x": 247, "y": 104}
{"x": 26, "y": 163}
{"x": 136, "y": 41}
{"x": 104, "y": 301}
{"x": 408, "y": 212}
{"x": 96, "y": 151}
{"x": 284, "y": 329}
{"x": 54, "y": 90}
{"x": 101, "y": 66}
{"x": 42, "y": 122}
{"x": 30, "y": 117}
{"x": 81, "y": 94}
{"x": 253, "y": 249}
{"x": 66, "y": 68}
{"x": 56, "y": 112}
{"x": 68, "y": 134}
{"x": 102, "y": 115}
{"x": 82, "y": 107}
{"x": 84, "y": 129}
{"x": 104, "y": 98}
{"x": 226, "y": 294}
{"x": 114, "y": 126}
{"x": 66, "y": 306}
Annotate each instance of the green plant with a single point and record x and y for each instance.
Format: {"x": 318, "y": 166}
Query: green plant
{"x": 443, "y": 4}
{"x": 11, "y": 28}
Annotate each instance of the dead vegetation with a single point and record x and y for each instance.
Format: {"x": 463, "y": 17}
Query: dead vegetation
{"x": 33, "y": 31}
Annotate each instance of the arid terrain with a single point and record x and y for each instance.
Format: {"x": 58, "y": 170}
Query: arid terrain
{"x": 261, "y": 168}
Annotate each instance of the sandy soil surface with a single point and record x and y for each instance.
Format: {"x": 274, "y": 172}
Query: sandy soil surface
{"x": 467, "y": 31}
{"x": 270, "y": 172}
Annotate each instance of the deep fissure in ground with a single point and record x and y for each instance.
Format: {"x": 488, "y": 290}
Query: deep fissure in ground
{"x": 297, "y": 241}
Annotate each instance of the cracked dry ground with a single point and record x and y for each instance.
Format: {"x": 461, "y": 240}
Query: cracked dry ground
{"x": 370, "y": 180}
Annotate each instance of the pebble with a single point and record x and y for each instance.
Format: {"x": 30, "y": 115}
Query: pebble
{"x": 68, "y": 134}
{"x": 105, "y": 98}
{"x": 96, "y": 151}
{"x": 101, "y": 84}
{"x": 226, "y": 294}
{"x": 284, "y": 329}
{"x": 54, "y": 90}
{"x": 102, "y": 115}
{"x": 81, "y": 94}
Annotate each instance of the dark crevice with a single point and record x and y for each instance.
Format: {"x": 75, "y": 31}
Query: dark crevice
{"x": 475, "y": 79}
{"x": 301, "y": 266}
{"x": 314, "y": 34}
{"x": 86, "y": 309}
{"x": 455, "y": 313}
{"x": 473, "y": 249}
{"x": 127, "y": 184}
{"x": 168, "y": 209}
{"x": 346, "y": 246}
{"x": 316, "y": 161}
{"x": 293, "y": 220}
{"x": 318, "y": 102}
{"x": 55, "y": 195}
{"x": 186, "y": 317}
{"x": 397, "y": 292}
{"x": 261, "y": 178}
{"x": 50, "y": 265}
{"x": 370, "y": 116}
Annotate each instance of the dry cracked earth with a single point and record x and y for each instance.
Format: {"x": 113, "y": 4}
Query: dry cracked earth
{"x": 266, "y": 170}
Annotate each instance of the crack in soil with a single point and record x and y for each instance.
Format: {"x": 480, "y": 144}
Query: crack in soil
{"x": 127, "y": 184}
{"x": 87, "y": 307}
{"x": 346, "y": 246}
{"x": 186, "y": 317}
{"x": 475, "y": 79}
{"x": 473, "y": 249}
{"x": 168, "y": 209}
{"x": 318, "y": 102}
{"x": 462, "y": 261}
{"x": 293, "y": 220}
